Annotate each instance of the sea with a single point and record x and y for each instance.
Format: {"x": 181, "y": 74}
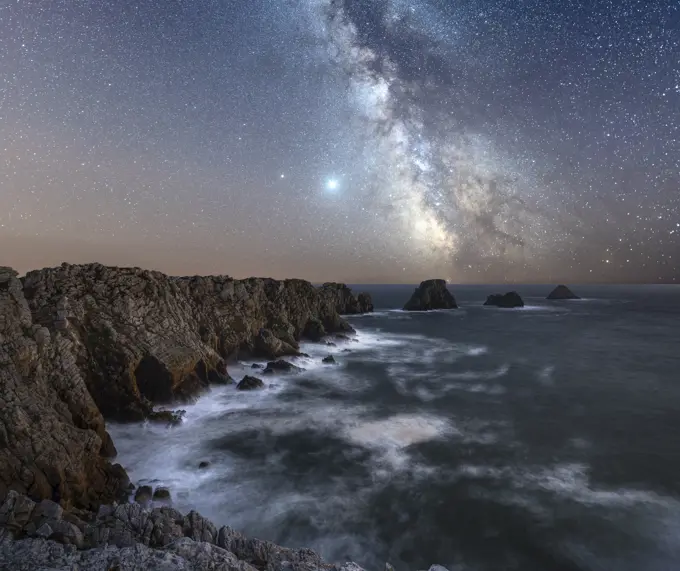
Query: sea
{"x": 545, "y": 438}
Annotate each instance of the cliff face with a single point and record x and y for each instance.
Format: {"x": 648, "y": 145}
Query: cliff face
{"x": 82, "y": 343}
{"x": 53, "y": 442}
{"x": 140, "y": 337}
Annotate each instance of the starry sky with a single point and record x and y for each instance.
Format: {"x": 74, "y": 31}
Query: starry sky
{"x": 357, "y": 140}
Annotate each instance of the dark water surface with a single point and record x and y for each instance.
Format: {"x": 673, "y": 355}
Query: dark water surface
{"x": 545, "y": 438}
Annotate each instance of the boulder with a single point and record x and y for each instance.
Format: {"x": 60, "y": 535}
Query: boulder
{"x": 431, "y": 294}
{"x": 161, "y": 494}
{"x": 329, "y": 360}
{"x": 506, "y": 300}
{"x": 249, "y": 383}
{"x": 143, "y": 494}
{"x": 169, "y": 417}
{"x": 562, "y": 292}
{"x": 281, "y": 366}
{"x": 203, "y": 464}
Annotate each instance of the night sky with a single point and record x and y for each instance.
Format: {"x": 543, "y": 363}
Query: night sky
{"x": 355, "y": 140}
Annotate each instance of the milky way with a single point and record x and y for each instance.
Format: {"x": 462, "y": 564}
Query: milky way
{"x": 373, "y": 140}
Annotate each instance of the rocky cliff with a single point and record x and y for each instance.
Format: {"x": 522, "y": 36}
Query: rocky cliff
{"x": 429, "y": 295}
{"x": 82, "y": 343}
{"x": 140, "y": 337}
{"x": 53, "y": 442}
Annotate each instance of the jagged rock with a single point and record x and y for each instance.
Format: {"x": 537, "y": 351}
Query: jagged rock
{"x": 562, "y": 292}
{"x": 431, "y": 294}
{"x": 506, "y": 300}
{"x": 139, "y": 338}
{"x": 281, "y": 366}
{"x": 53, "y": 441}
{"x": 329, "y": 360}
{"x": 170, "y": 417}
{"x": 249, "y": 383}
{"x": 130, "y": 537}
{"x": 161, "y": 494}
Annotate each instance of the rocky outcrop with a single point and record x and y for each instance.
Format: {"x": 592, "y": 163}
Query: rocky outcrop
{"x": 130, "y": 537}
{"x": 562, "y": 292}
{"x": 431, "y": 294}
{"x": 140, "y": 338}
{"x": 249, "y": 383}
{"x": 506, "y": 300}
{"x": 53, "y": 441}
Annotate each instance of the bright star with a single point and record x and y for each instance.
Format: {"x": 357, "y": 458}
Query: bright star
{"x": 332, "y": 184}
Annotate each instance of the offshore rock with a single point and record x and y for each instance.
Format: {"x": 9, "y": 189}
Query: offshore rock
{"x": 249, "y": 383}
{"x": 140, "y": 338}
{"x": 431, "y": 294}
{"x": 506, "y": 300}
{"x": 562, "y": 292}
{"x": 53, "y": 441}
{"x": 281, "y": 366}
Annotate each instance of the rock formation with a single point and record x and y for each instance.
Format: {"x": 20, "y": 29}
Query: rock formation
{"x": 562, "y": 292}
{"x": 129, "y": 537}
{"x": 53, "y": 442}
{"x": 140, "y": 337}
{"x": 249, "y": 383}
{"x": 509, "y": 299}
{"x": 82, "y": 343}
{"x": 431, "y": 294}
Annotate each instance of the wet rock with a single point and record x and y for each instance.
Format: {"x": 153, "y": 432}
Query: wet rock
{"x": 256, "y": 366}
{"x": 562, "y": 292}
{"x": 249, "y": 383}
{"x": 281, "y": 366}
{"x": 203, "y": 464}
{"x": 169, "y": 417}
{"x": 314, "y": 330}
{"x": 161, "y": 494}
{"x": 329, "y": 360}
{"x": 429, "y": 295}
{"x": 266, "y": 344}
{"x": 143, "y": 494}
{"x": 506, "y": 300}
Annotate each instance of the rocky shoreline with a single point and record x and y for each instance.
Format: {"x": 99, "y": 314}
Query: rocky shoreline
{"x": 83, "y": 343}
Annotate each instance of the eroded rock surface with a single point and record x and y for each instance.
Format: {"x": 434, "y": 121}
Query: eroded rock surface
{"x": 431, "y": 294}
{"x": 53, "y": 441}
{"x": 139, "y": 337}
{"x": 130, "y": 537}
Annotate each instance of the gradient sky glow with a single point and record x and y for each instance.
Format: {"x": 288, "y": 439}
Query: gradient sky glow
{"x": 353, "y": 140}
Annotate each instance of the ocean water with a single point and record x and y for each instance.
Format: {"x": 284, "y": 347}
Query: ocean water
{"x": 539, "y": 439}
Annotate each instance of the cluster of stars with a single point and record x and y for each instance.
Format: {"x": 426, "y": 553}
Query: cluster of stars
{"x": 360, "y": 141}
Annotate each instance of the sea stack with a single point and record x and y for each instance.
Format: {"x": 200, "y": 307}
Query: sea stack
{"x": 431, "y": 294}
{"x": 506, "y": 300}
{"x": 562, "y": 292}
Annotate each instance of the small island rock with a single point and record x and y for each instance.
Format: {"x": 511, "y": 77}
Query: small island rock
{"x": 281, "y": 366}
{"x": 249, "y": 383}
{"x": 562, "y": 292}
{"x": 330, "y": 360}
{"x": 509, "y": 299}
{"x": 431, "y": 294}
{"x": 161, "y": 494}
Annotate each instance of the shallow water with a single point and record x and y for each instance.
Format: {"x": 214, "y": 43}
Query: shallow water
{"x": 545, "y": 438}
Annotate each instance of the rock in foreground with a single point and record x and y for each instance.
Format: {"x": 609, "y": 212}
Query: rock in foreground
{"x": 562, "y": 292}
{"x": 431, "y": 294}
{"x": 507, "y": 300}
{"x": 128, "y": 537}
{"x": 249, "y": 383}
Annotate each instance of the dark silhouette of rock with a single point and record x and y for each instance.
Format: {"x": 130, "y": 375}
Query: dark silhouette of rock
{"x": 256, "y": 366}
{"x": 506, "y": 300}
{"x": 203, "y": 464}
{"x": 249, "y": 383}
{"x": 161, "y": 494}
{"x": 431, "y": 294}
{"x": 143, "y": 494}
{"x": 562, "y": 292}
{"x": 330, "y": 360}
{"x": 281, "y": 366}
